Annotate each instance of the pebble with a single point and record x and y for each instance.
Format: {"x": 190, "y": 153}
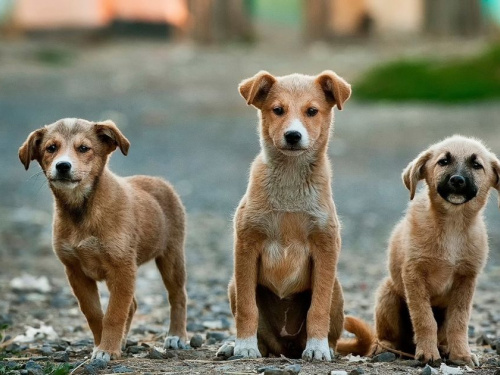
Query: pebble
{"x": 293, "y": 369}
{"x": 90, "y": 370}
{"x": 471, "y": 331}
{"x": 46, "y": 350}
{"x": 196, "y": 341}
{"x": 62, "y": 356}
{"x": 99, "y": 364}
{"x": 384, "y": 357}
{"x": 121, "y": 369}
{"x": 33, "y": 368}
{"x": 275, "y": 371}
{"x": 427, "y": 370}
{"x": 211, "y": 341}
{"x": 357, "y": 371}
{"x": 338, "y": 372}
{"x": 155, "y": 354}
{"x": 412, "y": 363}
{"x": 232, "y": 358}
{"x": 135, "y": 349}
{"x": 262, "y": 369}
{"x": 217, "y": 336}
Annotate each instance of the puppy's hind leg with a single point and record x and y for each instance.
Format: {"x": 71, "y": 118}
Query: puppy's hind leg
{"x": 392, "y": 323}
{"x": 173, "y": 273}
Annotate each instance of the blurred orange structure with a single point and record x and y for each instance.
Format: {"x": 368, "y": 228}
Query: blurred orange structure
{"x": 51, "y": 14}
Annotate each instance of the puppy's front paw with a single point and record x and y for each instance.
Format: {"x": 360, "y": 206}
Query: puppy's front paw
{"x": 247, "y": 347}
{"x": 317, "y": 349}
{"x": 105, "y": 355}
{"x": 226, "y": 350}
{"x": 465, "y": 359}
{"x": 428, "y": 354}
{"x": 174, "y": 342}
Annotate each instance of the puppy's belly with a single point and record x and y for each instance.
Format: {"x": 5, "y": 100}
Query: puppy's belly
{"x": 285, "y": 270}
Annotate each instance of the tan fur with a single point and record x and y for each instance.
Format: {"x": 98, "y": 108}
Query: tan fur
{"x": 106, "y": 226}
{"x": 435, "y": 255}
{"x": 285, "y": 289}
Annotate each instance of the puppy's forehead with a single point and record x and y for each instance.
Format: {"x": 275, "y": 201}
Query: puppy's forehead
{"x": 462, "y": 147}
{"x": 69, "y": 127}
{"x": 295, "y": 82}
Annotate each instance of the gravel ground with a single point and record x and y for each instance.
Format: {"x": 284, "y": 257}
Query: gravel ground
{"x": 179, "y": 107}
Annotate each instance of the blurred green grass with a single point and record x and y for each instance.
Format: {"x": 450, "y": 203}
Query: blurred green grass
{"x": 459, "y": 80}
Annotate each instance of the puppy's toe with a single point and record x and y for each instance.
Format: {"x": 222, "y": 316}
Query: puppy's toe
{"x": 226, "y": 350}
{"x": 247, "y": 348}
{"x": 317, "y": 349}
{"x": 101, "y": 355}
{"x": 174, "y": 342}
{"x": 468, "y": 359}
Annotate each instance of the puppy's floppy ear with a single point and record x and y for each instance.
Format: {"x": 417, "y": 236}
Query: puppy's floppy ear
{"x": 415, "y": 171}
{"x": 255, "y": 89}
{"x": 496, "y": 179}
{"x": 336, "y": 89}
{"x": 109, "y": 132}
{"x": 30, "y": 150}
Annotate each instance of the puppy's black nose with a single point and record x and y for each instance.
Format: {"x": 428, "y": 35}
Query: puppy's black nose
{"x": 457, "y": 181}
{"x": 292, "y": 137}
{"x": 63, "y": 166}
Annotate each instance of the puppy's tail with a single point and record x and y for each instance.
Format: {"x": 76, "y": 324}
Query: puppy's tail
{"x": 362, "y": 344}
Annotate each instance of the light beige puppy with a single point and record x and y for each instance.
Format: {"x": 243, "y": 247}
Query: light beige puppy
{"x": 285, "y": 294}
{"x": 105, "y": 226}
{"x": 437, "y": 252}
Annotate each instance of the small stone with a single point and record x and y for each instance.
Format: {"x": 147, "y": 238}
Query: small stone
{"x": 262, "y": 369}
{"x": 338, "y": 372}
{"x": 61, "y": 356}
{"x": 275, "y": 371}
{"x": 211, "y": 341}
{"x": 33, "y": 368}
{"x": 232, "y": 358}
{"x": 121, "y": 369}
{"x": 293, "y": 369}
{"x": 412, "y": 363}
{"x": 484, "y": 339}
{"x": 357, "y": 371}
{"x": 217, "y": 336}
{"x": 195, "y": 327}
{"x": 497, "y": 346}
{"x": 90, "y": 370}
{"x": 83, "y": 342}
{"x": 155, "y": 354}
{"x": 497, "y": 372}
{"x": 384, "y": 357}
{"x": 168, "y": 354}
{"x": 131, "y": 343}
{"x": 46, "y": 350}
{"x": 135, "y": 349}
{"x": 196, "y": 341}
{"x": 427, "y": 370}
{"x": 99, "y": 364}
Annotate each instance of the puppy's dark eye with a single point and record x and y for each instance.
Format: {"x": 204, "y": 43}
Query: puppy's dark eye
{"x": 51, "y": 149}
{"x": 443, "y": 162}
{"x": 83, "y": 149}
{"x": 278, "y": 111}
{"x": 476, "y": 165}
{"x": 311, "y": 112}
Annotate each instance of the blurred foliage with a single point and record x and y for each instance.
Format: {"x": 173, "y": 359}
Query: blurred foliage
{"x": 54, "y": 56}
{"x": 476, "y": 78}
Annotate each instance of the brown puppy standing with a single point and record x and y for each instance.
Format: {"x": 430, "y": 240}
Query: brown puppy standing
{"x": 437, "y": 251}
{"x": 285, "y": 294}
{"x": 105, "y": 226}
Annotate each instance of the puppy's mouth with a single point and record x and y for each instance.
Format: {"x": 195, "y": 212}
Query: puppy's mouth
{"x": 457, "y": 199}
{"x": 64, "y": 180}
{"x": 292, "y": 150}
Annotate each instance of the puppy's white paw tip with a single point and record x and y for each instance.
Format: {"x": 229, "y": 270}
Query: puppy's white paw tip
{"x": 226, "y": 350}
{"x": 247, "y": 348}
{"x": 317, "y": 350}
{"x": 174, "y": 342}
{"x": 101, "y": 354}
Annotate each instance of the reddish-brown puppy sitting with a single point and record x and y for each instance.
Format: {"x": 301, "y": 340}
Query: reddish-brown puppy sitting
{"x": 437, "y": 251}
{"x": 105, "y": 226}
{"x": 285, "y": 294}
